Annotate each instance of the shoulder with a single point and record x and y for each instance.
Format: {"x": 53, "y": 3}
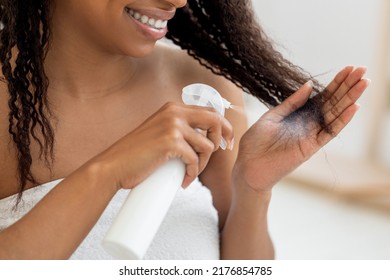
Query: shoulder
{"x": 185, "y": 70}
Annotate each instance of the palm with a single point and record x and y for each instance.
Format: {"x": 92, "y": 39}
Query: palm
{"x": 280, "y": 139}
{"x": 274, "y": 146}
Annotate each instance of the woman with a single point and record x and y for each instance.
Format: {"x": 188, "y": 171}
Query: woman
{"x": 90, "y": 97}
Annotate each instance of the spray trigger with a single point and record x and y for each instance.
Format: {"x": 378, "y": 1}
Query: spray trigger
{"x": 206, "y": 96}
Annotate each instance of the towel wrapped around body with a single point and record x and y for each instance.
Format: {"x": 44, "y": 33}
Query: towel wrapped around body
{"x": 189, "y": 230}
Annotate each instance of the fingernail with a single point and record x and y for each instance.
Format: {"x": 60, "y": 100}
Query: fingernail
{"x": 223, "y": 144}
{"x": 309, "y": 83}
{"x": 231, "y": 145}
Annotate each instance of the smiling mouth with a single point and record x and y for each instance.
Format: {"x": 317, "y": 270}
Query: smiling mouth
{"x": 152, "y": 22}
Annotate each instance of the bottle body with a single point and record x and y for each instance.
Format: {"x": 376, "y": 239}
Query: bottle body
{"x": 143, "y": 211}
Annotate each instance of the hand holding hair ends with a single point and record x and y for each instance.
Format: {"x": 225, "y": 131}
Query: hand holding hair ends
{"x": 309, "y": 112}
{"x": 286, "y": 136}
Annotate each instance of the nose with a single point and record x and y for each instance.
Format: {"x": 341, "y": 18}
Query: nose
{"x": 177, "y": 3}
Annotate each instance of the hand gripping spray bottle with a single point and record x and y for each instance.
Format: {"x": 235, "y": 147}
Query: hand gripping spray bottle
{"x": 133, "y": 230}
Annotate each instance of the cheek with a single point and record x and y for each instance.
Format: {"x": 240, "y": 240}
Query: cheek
{"x": 106, "y": 27}
{"x": 126, "y": 40}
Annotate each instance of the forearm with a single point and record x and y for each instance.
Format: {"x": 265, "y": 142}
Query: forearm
{"x": 56, "y": 226}
{"x": 245, "y": 235}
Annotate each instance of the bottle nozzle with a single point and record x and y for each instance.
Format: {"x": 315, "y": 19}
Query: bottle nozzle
{"x": 226, "y": 103}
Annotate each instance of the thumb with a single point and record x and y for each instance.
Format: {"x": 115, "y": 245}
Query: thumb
{"x": 295, "y": 101}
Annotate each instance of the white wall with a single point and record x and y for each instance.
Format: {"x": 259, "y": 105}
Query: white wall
{"x": 323, "y": 37}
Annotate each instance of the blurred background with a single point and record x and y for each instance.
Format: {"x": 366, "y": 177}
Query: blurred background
{"x": 337, "y": 205}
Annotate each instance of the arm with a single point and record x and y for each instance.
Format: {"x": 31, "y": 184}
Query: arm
{"x": 242, "y": 213}
{"x": 60, "y": 221}
{"x": 55, "y": 227}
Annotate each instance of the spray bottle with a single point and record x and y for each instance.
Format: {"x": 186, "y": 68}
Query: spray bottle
{"x": 137, "y": 222}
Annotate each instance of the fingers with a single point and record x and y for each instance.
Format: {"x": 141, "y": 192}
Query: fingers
{"x": 348, "y": 92}
{"x": 216, "y": 126}
{"x": 339, "y": 92}
{"x": 201, "y": 145}
{"x": 196, "y": 132}
{"x": 338, "y": 124}
{"x": 340, "y": 95}
{"x": 295, "y": 101}
{"x": 191, "y": 160}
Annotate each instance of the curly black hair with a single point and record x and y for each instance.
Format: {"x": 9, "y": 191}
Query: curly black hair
{"x": 223, "y": 36}
{"x": 23, "y": 45}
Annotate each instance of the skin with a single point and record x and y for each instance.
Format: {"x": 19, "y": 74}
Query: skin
{"x": 119, "y": 116}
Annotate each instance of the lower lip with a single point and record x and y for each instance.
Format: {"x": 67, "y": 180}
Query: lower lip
{"x": 148, "y": 31}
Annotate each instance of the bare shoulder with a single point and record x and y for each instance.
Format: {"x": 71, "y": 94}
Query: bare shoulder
{"x": 187, "y": 70}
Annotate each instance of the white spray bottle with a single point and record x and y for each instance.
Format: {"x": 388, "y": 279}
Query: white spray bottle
{"x": 133, "y": 230}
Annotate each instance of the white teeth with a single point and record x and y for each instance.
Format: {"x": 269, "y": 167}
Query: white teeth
{"x": 144, "y": 19}
{"x": 159, "y": 23}
{"x": 136, "y": 15}
{"x": 155, "y": 23}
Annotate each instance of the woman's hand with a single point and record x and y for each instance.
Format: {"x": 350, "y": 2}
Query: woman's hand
{"x": 167, "y": 134}
{"x": 274, "y": 146}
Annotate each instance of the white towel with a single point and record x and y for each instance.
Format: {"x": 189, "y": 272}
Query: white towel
{"x": 189, "y": 231}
